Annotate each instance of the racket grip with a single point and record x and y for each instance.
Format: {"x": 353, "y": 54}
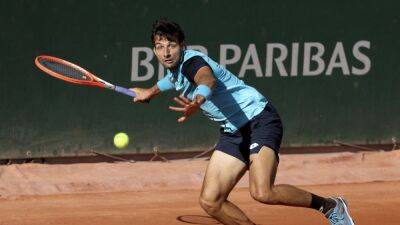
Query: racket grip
{"x": 125, "y": 91}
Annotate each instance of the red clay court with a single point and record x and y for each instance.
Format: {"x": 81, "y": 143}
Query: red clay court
{"x": 155, "y": 193}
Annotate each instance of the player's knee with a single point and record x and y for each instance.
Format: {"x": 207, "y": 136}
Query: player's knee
{"x": 263, "y": 195}
{"x": 210, "y": 206}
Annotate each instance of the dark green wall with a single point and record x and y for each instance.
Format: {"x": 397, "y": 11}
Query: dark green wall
{"x": 42, "y": 116}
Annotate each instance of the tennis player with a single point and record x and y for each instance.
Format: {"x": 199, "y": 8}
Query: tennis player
{"x": 250, "y": 133}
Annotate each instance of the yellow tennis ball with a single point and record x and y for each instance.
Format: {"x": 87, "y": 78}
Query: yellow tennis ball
{"x": 121, "y": 140}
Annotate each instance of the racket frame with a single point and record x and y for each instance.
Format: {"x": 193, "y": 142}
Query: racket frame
{"x": 94, "y": 80}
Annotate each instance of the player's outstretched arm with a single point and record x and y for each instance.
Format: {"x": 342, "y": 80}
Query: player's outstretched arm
{"x": 144, "y": 95}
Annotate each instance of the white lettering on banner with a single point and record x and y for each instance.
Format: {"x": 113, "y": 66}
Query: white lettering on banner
{"x": 279, "y": 60}
{"x": 313, "y": 56}
{"x": 252, "y": 55}
{"x": 295, "y": 59}
{"x": 146, "y": 63}
{"x": 161, "y": 71}
{"x": 361, "y": 57}
{"x": 223, "y": 49}
{"x": 338, "y": 53}
{"x": 316, "y": 58}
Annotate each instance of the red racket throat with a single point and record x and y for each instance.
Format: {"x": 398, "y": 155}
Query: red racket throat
{"x": 66, "y": 71}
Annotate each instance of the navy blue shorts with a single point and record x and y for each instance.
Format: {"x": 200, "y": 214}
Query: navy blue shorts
{"x": 265, "y": 129}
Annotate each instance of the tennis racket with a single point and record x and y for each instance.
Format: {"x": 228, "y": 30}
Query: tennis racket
{"x": 72, "y": 73}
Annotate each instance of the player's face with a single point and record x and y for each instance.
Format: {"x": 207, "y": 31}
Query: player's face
{"x": 168, "y": 52}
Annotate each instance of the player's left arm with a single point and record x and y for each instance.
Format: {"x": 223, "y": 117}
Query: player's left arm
{"x": 205, "y": 81}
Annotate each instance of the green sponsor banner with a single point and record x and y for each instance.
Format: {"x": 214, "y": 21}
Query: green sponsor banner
{"x": 330, "y": 68}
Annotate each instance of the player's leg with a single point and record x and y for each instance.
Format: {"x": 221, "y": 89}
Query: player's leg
{"x": 222, "y": 174}
{"x": 266, "y": 135}
{"x": 263, "y": 168}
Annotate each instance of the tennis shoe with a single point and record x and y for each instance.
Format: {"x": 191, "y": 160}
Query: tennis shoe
{"x": 340, "y": 214}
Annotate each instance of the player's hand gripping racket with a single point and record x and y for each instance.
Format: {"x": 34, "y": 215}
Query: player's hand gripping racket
{"x": 72, "y": 73}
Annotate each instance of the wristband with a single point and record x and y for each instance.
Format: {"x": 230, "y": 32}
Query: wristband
{"x": 203, "y": 90}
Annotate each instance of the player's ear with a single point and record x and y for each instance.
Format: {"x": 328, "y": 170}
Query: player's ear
{"x": 183, "y": 45}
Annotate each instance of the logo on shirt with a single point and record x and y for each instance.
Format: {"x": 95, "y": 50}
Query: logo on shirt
{"x": 253, "y": 145}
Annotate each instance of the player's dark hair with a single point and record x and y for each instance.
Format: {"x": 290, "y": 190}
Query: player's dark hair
{"x": 167, "y": 29}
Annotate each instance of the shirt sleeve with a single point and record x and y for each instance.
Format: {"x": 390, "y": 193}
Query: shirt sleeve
{"x": 165, "y": 84}
{"x": 192, "y": 65}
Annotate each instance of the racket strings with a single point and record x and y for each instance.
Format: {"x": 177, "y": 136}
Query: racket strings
{"x": 65, "y": 70}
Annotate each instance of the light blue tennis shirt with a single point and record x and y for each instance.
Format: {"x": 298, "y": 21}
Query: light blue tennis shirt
{"x": 232, "y": 103}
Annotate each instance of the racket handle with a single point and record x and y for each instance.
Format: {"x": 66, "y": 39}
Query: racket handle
{"x": 125, "y": 91}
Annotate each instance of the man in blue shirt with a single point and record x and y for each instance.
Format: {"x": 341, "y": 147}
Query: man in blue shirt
{"x": 251, "y": 130}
